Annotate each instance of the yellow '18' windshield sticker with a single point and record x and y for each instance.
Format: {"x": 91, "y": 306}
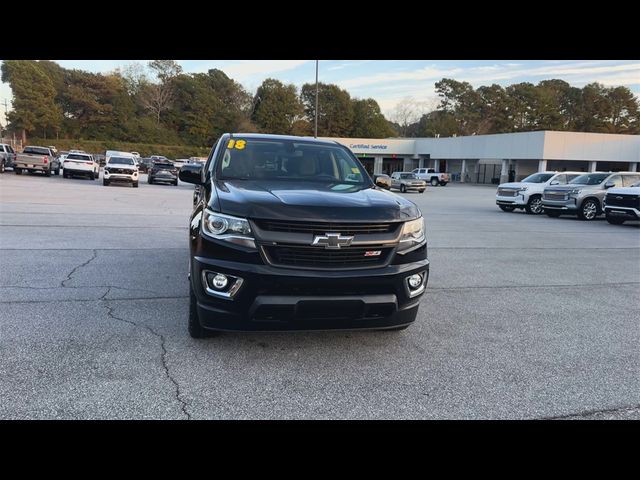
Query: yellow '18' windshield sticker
{"x": 237, "y": 144}
{"x": 355, "y": 170}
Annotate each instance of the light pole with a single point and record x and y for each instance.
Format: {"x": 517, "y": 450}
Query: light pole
{"x": 315, "y": 135}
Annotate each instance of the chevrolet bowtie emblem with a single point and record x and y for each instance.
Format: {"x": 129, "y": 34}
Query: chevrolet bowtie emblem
{"x": 332, "y": 240}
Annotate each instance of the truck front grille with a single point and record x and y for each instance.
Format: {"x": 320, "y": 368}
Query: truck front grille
{"x": 621, "y": 200}
{"x": 507, "y": 192}
{"x": 305, "y": 256}
{"x": 554, "y": 196}
{"x": 320, "y": 228}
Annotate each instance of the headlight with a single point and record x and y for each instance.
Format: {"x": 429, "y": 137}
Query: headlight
{"x": 413, "y": 236}
{"x": 523, "y": 189}
{"x": 225, "y": 227}
{"x": 575, "y": 191}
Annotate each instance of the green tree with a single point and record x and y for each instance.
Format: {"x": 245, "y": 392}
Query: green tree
{"x": 34, "y": 107}
{"x": 335, "y": 111}
{"x": 463, "y": 102}
{"x": 276, "y": 107}
{"x": 368, "y": 120}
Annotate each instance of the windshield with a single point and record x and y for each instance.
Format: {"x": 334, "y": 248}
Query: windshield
{"x": 590, "y": 179}
{"x": 538, "y": 178}
{"x": 408, "y": 176}
{"x": 260, "y": 158}
{"x": 121, "y": 160}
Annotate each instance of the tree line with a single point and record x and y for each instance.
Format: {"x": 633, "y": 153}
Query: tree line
{"x": 162, "y": 104}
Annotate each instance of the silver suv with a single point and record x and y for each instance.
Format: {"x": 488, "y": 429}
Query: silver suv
{"x": 583, "y": 195}
{"x": 527, "y": 193}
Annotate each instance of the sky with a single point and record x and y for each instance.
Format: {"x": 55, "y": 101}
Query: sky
{"x": 390, "y": 82}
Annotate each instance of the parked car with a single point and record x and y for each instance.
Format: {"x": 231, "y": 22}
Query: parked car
{"x": 584, "y": 194}
{"x": 76, "y": 151}
{"x": 158, "y": 157}
{"x": 163, "y": 172}
{"x": 179, "y": 162}
{"x": 431, "y": 176}
{"x": 37, "y": 159}
{"x": 405, "y": 181}
{"x": 382, "y": 180}
{"x": 622, "y": 204}
{"x": 80, "y": 164}
{"x": 527, "y": 194}
{"x": 7, "y": 156}
{"x": 120, "y": 169}
{"x": 144, "y": 164}
{"x": 281, "y": 239}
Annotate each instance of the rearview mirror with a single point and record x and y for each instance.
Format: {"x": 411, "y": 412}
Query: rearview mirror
{"x": 609, "y": 185}
{"x": 191, "y": 173}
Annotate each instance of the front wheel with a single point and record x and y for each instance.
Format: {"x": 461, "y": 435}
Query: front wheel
{"x": 403, "y": 189}
{"x": 434, "y": 182}
{"x": 195, "y": 329}
{"x": 18, "y": 171}
{"x": 534, "y": 206}
{"x": 443, "y": 184}
{"x": 2, "y": 167}
{"x": 150, "y": 180}
{"x": 135, "y": 184}
{"x": 105, "y": 182}
{"x": 507, "y": 208}
{"x": 421, "y": 191}
{"x": 614, "y": 220}
{"x": 588, "y": 210}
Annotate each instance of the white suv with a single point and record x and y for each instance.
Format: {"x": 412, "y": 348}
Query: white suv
{"x": 527, "y": 194}
{"x": 80, "y": 164}
{"x": 120, "y": 169}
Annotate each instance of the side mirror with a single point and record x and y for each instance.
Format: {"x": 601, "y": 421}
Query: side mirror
{"x": 191, "y": 174}
{"x": 555, "y": 182}
{"x": 609, "y": 185}
{"x": 380, "y": 182}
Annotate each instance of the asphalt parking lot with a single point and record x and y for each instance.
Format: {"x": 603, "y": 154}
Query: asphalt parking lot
{"x": 525, "y": 317}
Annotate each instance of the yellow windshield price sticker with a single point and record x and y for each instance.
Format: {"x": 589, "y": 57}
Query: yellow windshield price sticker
{"x": 237, "y": 144}
{"x": 355, "y": 170}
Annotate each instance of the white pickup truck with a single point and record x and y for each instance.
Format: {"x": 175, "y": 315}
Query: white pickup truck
{"x": 429, "y": 175}
{"x": 80, "y": 164}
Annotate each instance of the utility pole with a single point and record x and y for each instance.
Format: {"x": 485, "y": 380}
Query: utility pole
{"x": 315, "y": 135}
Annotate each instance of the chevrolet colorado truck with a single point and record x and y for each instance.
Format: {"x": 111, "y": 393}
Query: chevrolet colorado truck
{"x": 583, "y": 195}
{"x": 291, "y": 233}
{"x": 527, "y": 194}
{"x": 622, "y": 204}
{"x": 37, "y": 159}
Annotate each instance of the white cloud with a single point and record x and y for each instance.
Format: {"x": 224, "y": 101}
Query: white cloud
{"x": 245, "y": 69}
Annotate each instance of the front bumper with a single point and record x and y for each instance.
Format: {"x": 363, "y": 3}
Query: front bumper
{"x": 517, "y": 201}
{"x": 622, "y": 212}
{"x": 570, "y": 205}
{"x": 274, "y": 298}
{"x": 120, "y": 177}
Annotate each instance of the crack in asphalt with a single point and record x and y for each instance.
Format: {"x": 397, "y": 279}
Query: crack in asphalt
{"x": 163, "y": 356}
{"x": 75, "y": 269}
{"x": 590, "y": 413}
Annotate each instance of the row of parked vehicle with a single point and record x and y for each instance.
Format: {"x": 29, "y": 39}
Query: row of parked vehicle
{"x": 118, "y": 166}
{"x": 415, "y": 180}
{"x": 587, "y": 195}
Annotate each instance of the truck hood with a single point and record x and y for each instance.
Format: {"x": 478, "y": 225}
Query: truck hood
{"x": 567, "y": 188}
{"x": 310, "y": 201}
{"x": 625, "y": 190}
{"x": 521, "y": 184}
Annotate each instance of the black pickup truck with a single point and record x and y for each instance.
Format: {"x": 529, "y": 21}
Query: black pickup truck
{"x": 290, "y": 233}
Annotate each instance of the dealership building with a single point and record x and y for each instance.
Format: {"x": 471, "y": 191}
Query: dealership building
{"x": 502, "y": 157}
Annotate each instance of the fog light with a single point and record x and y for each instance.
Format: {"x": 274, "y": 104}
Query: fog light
{"x": 220, "y": 281}
{"x": 415, "y": 280}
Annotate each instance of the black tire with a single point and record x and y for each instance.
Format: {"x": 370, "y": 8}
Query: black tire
{"x": 57, "y": 170}
{"x": 150, "y": 180}
{"x": 403, "y": 189}
{"x": 534, "y": 205}
{"x": 552, "y": 213}
{"x": 589, "y": 209}
{"x": 105, "y": 182}
{"x": 507, "y": 208}
{"x": 135, "y": 184}
{"x": 2, "y": 166}
{"x": 434, "y": 182}
{"x": 47, "y": 173}
{"x": 18, "y": 171}
{"x": 421, "y": 191}
{"x": 443, "y": 184}
{"x": 615, "y": 220}
{"x": 175, "y": 184}
{"x": 96, "y": 175}
{"x": 65, "y": 174}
